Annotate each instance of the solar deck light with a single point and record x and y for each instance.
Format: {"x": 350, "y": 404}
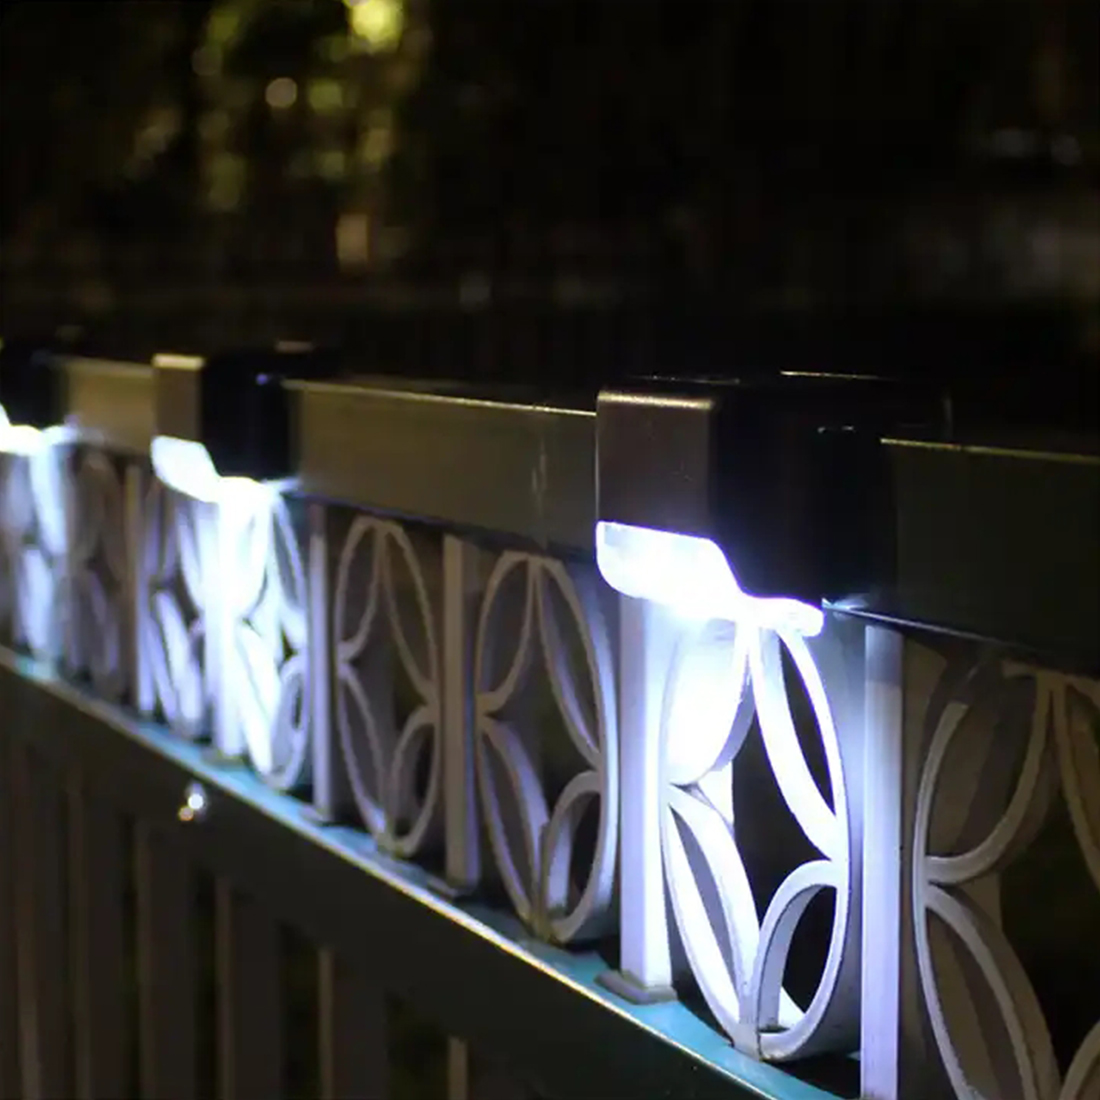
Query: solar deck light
{"x": 750, "y": 501}
{"x": 31, "y": 416}
{"x": 31, "y": 424}
{"x": 222, "y": 437}
{"x": 223, "y": 422}
{"x": 691, "y": 576}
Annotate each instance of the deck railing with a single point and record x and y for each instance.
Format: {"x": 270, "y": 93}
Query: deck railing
{"x": 607, "y": 849}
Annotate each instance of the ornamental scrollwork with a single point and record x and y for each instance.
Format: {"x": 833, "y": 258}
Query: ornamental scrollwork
{"x": 975, "y": 816}
{"x": 178, "y": 543}
{"x": 99, "y": 573}
{"x": 725, "y": 682}
{"x": 384, "y": 622}
{"x": 543, "y": 620}
{"x": 33, "y": 539}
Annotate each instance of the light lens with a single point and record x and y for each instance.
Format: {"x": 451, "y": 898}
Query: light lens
{"x": 18, "y": 439}
{"x": 26, "y": 440}
{"x": 186, "y": 466}
{"x": 691, "y": 576}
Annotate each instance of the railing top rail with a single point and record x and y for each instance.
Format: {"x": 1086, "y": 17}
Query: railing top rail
{"x": 523, "y": 470}
{"x": 999, "y": 543}
{"x": 111, "y": 401}
{"x": 965, "y": 532}
{"x": 966, "y": 527}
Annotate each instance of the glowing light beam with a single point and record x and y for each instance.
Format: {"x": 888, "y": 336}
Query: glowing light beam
{"x": 691, "y": 576}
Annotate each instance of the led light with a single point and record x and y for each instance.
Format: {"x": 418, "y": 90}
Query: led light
{"x": 691, "y": 576}
{"x": 27, "y": 441}
{"x": 186, "y": 466}
{"x": 18, "y": 439}
{"x": 228, "y": 415}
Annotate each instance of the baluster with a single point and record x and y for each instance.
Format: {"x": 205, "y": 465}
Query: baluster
{"x": 458, "y": 1070}
{"x": 97, "y": 885}
{"x": 147, "y": 526}
{"x": 9, "y": 1008}
{"x": 892, "y": 1040}
{"x": 221, "y": 536}
{"x": 137, "y": 608}
{"x": 460, "y": 594}
{"x": 45, "y": 1034}
{"x": 166, "y": 969}
{"x": 489, "y": 1080}
{"x": 646, "y": 640}
{"x": 353, "y": 1031}
{"x": 971, "y": 753}
{"x": 331, "y": 791}
{"x": 247, "y": 961}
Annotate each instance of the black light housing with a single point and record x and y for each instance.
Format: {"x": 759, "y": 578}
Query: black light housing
{"x": 234, "y": 403}
{"x": 786, "y": 473}
{"x": 31, "y": 391}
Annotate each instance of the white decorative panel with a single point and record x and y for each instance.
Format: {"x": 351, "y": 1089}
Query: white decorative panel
{"x": 179, "y": 541}
{"x": 267, "y": 682}
{"x": 97, "y": 641}
{"x": 585, "y": 758}
{"x": 1004, "y": 744}
{"x": 542, "y": 620}
{"x": 13, "y": 524}
{"x": 32, "y": 549}
{"x": 385, "y": 641}
{"x": 694, "y": 697}
{"x": 224, "y": 631}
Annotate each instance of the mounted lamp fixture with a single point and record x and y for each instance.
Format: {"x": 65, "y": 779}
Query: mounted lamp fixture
{"x": 754, "y": 499}
{"x": 31, "y": 397}
{"x": 224, "y": 422}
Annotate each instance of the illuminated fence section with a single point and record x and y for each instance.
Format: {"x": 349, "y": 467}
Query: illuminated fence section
{"x": 981, "y": 974}
{"x": 224, "y": 608}
{"x": 473, "y": 722}
{"x": 176, "y": 603}
{"x": 733, "y": 831}
{"x": 100, "y": 643}
{"x": 705, "y": 860}
{"x": 32, "y": 549}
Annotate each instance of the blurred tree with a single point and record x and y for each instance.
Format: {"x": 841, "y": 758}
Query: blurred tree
{"x": 92, "y": 95}
{"x": 836, "y": 159}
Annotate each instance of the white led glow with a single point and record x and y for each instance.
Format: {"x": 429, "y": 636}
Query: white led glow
{"x": 247, "y": 582}
{"x": 20, "y": 439}
{"x": 36, "y": 446}
{"x": 33, "y": 527}
{"x": 185, "y": 465}
{"x": 691, "y": 576}
{"x": 25, "y": 440}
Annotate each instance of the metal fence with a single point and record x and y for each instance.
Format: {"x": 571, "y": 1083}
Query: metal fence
{"x": 374, "y": 787}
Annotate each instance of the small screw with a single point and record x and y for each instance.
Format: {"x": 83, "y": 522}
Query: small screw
{"x": 194, "y": 803}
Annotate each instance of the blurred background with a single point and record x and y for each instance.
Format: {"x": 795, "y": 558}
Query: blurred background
{"x": 561, "y": 190}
